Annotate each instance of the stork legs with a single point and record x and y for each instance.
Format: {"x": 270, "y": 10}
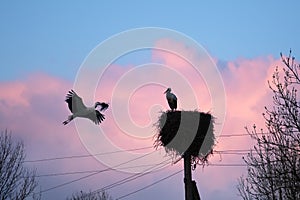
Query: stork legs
{"x": 70, "y": 118}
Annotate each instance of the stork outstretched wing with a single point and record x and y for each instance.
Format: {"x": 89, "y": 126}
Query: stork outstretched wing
{"x": 96, "y": 117}
{"x": 75, "y": 103}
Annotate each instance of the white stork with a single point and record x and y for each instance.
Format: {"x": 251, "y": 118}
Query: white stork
{"x": 171, "y": 98}
{"x": 78, "y": 109}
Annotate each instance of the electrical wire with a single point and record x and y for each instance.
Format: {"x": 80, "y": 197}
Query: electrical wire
{"x": 113, "y": 169}
{"x": 233, "y": 135}
{"x": 135, "y": 176}
{"x": 93, "y": 171}
{"x": 227, "y": 165}
{"x": 119, "y": 151}
{"x": 87, "y": 176}
{"x": 222, "y": 152}
{"x": 84, "y": 156}
{"x": 147, "y": 186}
{"x": 169, "y": 176}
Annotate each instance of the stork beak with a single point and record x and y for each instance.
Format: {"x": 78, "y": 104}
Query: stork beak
{"x": 167, "y": 90}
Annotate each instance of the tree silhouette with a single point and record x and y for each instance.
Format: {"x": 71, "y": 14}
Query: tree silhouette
{"x": 101, "y": 195}
{"x": 274, "y": 164}
{"x": 16, "y": 182}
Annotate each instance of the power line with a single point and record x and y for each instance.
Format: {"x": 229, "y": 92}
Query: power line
{"x": 147, "y": 186}
{"x": 245, "y": 134}
{"x": 171, "y": 175}
{"x": 233, "y": 135}
{"x": 234, "y": 150}
{"x": 223, "y": 152}
{"x": 69, "y": 182}
{"x": 84, "y": 177}
{"x": 135, "y": 176}
{"x": 113, "y": 152}
{"x": 123, "y": 180}
{"x": 121, "y": 151}
{"x": 84, "y": 156}
{"x": 93, "y": 171}
{"x": 160, "y": 180}
{"x": 228, "y": 165}
{"x": 121, "y": 168}
{"x": 104, "y": 153}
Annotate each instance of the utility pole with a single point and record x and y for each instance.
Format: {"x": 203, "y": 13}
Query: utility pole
{"x": 191, "y": 191}
{"x": 188, "y": 177}
{"x": 175, "y": 134}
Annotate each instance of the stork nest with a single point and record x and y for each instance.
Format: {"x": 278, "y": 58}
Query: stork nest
{"x": 186, "y": 133}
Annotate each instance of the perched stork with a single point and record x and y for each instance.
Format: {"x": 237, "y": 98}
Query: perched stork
{"x": 171, "y": 98}
{"x": 78, "y": 109}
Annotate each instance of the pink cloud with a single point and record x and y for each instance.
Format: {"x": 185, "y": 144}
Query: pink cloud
{"x": 34, "y": 108}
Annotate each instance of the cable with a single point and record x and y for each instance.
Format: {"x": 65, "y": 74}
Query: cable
{"x": 228, "y": 165}
{"x": 112, "y": 152}
{"x": 133, "y": 177}
{"x": 84, "y": 177}
{"x": 84, "y": 156}
{"x": 245, "y": 134}
{"x": 147, "y": 186}
{"x": 223, "y": 152}
{"x": 122, "y": 181}
{"x": 235, "y": 150}
{"x": 93, "y": 171}
{"x": 69, "y": 182}
{"x": 136, "y": 176}
{"x": 230, "y": 153}
{"x": 233, "y": 135}
{"x": 119, "y": 151}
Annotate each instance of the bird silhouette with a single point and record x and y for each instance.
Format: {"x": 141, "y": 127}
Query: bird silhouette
{"x": 78, "y": 109}
{"x": 172, "y": 99}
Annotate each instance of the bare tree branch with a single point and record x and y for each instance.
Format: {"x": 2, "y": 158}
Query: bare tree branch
{"x": 274, "y": 164}
{"x": 16, "y": 182}
{"x": 101, "y": 195}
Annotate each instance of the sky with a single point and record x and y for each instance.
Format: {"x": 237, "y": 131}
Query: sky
{"x": 48, "y": 48}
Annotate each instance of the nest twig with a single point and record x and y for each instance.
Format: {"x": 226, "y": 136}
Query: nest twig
{"x": 186, "y": 132}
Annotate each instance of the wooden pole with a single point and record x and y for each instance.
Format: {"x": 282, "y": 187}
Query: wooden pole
{"x": 188, "y": 177}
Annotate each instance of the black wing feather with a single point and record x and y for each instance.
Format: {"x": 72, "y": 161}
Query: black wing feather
{"x": 74, "y": 102}
{"x": 96, "y": 117}
{"x": 172, "y": 104}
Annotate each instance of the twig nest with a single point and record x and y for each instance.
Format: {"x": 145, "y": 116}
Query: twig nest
{"x": 186, "y": 132}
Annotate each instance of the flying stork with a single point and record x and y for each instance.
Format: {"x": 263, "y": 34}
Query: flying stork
{"x": 171, "y": 98}
{"x": 78, "y": 109}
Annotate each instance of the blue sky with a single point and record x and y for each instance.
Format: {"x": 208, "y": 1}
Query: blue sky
{"x": 43, "y": 45}
{"x": 55, "y": 37}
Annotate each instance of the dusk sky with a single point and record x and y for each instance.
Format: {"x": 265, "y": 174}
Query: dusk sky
{"x": 48, "y": 48}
